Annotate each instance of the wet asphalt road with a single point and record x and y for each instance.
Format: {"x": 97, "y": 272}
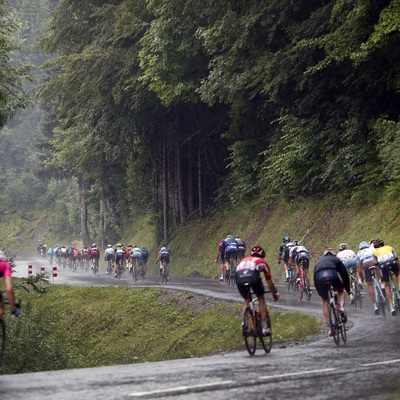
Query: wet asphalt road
{"x": 366, "y": 367}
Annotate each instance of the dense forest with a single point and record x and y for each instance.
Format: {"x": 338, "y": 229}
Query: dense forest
{"x": 170, "y": 107}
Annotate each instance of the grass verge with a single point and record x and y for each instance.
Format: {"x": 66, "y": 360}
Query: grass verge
{"x": 75, "y": 327}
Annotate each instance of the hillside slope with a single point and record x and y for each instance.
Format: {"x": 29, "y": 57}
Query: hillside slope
{"x": 322, "y": 223}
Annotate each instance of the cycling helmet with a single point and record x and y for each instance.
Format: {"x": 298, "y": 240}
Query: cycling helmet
{"x": 363, "y": 245}
{"x": 330, "y": 251}
{"x": 342, "y": 246}
{"x": 296, "y": 242}
{"x": 257, "y": 251}
{"x": 286, "y": 239}
{"x": 85, "y": 247}
{"x": 119, "y": 245}
{"x": 378, "y": 243}
{"x": 2, "y": 255}
{"x": 94, "y": 245}
{"x": 163, "y": 249}
{"x": 109, "y": 245}
{"x": 229, "y": 237}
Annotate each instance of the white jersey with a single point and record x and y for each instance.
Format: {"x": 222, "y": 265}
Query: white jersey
{"x": 108, "y": 251}
{"x": 348, "y": 257}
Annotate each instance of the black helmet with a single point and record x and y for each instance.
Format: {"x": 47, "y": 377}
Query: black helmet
{"x": 378, "y": 243}
{"x": 286, "y": 239}
{"x": 330, "y": 251}
{"x": 342, "y": 246}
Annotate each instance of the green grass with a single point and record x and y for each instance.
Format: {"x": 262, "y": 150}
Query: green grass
{"x": 74, "y": 327}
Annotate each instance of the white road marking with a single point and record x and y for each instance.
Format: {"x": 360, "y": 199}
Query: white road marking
{"x": 296, "y": 373}
{"x": 380, "y": 363}
{"x": 181, "y": 389}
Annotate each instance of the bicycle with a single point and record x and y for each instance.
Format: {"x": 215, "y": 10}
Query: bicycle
{"x": 336, "y": 323}
{"x": 3, "y": 336}
{"x": 395, "y": 292}
{"x": 356, "y": 289}
{"x": 291, "y": 280}
{"x": 230, "y": 273}
{"x": 109, "y": 267}
{"x": 252, "y": 327}
{"x": 118, "y": 272}
{"x": 164, "y": 272}
{"x": 380, "y": 297}
{"x": 133, "y": 270}
{"x": 303, "y": 286}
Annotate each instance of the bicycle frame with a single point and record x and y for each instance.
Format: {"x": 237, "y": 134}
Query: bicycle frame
{"x": 357, "y": 297}
{"x": 335, "y": 321}
{"x": 380, "y": 298}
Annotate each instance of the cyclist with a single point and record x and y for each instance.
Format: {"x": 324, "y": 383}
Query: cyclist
{"x": 220, "y": 261}
{"x": 248, "y": 276}
{"x": 50, "y": 255}
{"x": 299, "y": 257}
{"x": 350, "y": 260}
{"x": 330, "y": 269}
{"x": 386, "y": 259}
{"x": 95, "y": 255}
{"x": 75, "y": 257}
{"x": 85, "y": 255}
{"x": 145, "y": 256}
{"x": 367, "y": 260}
{"x": 5, "y": 273}
{"x": 119, "y": 255}
{"x": 229, "y": 251}
{"x": 283, "y": 252}
{"x": 109, "y": 256}
{"x": 241, "y": 248}
{"x": 137, "y": 256}
{"x": 163, "y": 255}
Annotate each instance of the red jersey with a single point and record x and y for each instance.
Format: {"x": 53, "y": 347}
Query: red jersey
{"x": 5, "y": 269}
{"x": 255, "y": 264}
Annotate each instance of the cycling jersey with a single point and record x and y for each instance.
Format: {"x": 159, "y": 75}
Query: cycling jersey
{"x": 248, "y": 275}
{"x": 5, "y": 269}
{"x": 348, "y": 257}
{"x": 95, "y": 252}
{"x": 387, "y": 259}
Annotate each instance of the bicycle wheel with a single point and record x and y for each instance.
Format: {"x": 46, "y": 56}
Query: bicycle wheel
{"x": 343, "y": 333}
{"x": 266, "y": 341}
{"x": 358, "y": 296}
{"x": 380, "y": 302}
{"x": 249, "y": 331}
{"x": 334, "y": 322}
{"x": 2, "y": 339}
{"x": 299, "y": 289}
{"x": 308, "y": 292}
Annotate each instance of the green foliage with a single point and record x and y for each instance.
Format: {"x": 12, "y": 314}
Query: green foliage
{"x": 90, "y": 327}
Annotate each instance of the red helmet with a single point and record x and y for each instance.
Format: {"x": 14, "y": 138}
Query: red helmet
{"x": 257, "y": 251}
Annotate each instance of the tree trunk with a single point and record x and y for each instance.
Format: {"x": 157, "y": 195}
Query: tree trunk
{"x": 181, "y": 200}
{"x": 164, "y": 191}
{"x": 84, "y": 212}
{"x": 190, "y": 199}
{"x": 199, "y": 183}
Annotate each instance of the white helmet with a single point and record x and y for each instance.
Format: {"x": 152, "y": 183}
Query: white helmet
{"x": 109, "y": 245}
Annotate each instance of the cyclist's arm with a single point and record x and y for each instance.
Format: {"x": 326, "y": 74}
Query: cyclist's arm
{"x": 344, "y": 275}
{"x": 10, "y": 292}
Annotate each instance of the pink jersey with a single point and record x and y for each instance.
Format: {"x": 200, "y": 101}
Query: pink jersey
{"x": 5, "y": 268}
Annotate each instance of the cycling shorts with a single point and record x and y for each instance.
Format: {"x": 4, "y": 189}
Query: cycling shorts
{"x": 248, "y": 281}
{"x": 325, "y": 276}
{"x": 303, "y": 260}
{"x": 230, "y": 253}
{"x": 385, "y": 270}
{"x": 110, "y": 257}
{"x": 164, "y": 257}
{"x": 119, "y": 256}
{"x": 137, "y": 256}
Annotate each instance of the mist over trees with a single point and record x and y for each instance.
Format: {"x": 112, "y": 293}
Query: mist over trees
{"x": 171, "y": 107}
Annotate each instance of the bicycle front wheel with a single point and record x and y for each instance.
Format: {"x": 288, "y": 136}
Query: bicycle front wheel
{"x": 343, "y": 332}
{"x": 2, "y": 339}
{"x": 266, "y": 341}
{"x": 249, "y": 331}
{"x": 334, "y": 323}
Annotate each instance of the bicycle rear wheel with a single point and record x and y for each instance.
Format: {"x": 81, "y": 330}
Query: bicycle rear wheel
{"x": 358, "y": 296}
{"x": 249, "y": 331}
{"x": 300, "y": 291}
{"x": 266, "y": 341}
{"x": 2, "y": 339}
{"x": 334, "y": 323}
{"x": 343, "y": 333}
{"x": 380, "y": 302}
